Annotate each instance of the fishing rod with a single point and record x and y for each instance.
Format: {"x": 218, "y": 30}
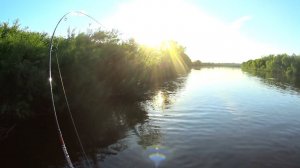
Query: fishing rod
{"x": 63, "y": 145}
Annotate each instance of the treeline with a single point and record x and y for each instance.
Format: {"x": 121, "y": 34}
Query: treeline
{"x": 280, "y": 64}
{"x": 94, "y": 66}
{"x": 199, "y": 64}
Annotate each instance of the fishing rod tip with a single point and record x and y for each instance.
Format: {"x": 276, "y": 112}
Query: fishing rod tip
{"x": 78, "y": 13}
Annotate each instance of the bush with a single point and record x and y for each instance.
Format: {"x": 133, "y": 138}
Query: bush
{"x": 94, "y": 66}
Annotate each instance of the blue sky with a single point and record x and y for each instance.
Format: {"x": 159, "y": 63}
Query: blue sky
{"x": 211, "y": 30}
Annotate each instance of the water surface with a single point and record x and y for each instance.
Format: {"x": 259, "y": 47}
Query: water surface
{"x": 211, "y": 118}
{"x": 218, "y": 117}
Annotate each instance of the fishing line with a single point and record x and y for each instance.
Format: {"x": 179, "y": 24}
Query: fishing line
{"x": 67, "y": 157}
{"x": 69, "y": 109}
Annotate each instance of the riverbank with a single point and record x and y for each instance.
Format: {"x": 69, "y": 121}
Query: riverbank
{"x": 283, "y": 64}
{"x": 95, "y": 65}
{"x": 198, "y": 65}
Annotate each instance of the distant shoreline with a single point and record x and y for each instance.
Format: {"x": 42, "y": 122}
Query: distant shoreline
{"x": 198, "y": 65}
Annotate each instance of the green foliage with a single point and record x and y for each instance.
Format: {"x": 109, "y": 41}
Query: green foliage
{"x": 22, "y": 70}
{"x": 197, "y": 63}
{"x": 94, "y": 66}
{"x": 279, "y": 64}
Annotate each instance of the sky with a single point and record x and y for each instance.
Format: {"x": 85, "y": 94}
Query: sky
{"x": 211, "y": 30}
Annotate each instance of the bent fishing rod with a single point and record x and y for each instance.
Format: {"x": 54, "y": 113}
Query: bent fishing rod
{"x": 63, "y": 145}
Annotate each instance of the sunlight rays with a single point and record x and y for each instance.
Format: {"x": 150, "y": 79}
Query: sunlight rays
{"x": 176, "y": 58}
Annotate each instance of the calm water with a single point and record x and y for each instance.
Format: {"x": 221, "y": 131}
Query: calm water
{"x": 220, "y": 117}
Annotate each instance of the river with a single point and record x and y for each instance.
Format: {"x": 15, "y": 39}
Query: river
{"x": 211, "y": 118}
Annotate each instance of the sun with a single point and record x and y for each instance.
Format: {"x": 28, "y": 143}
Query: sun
{"x": 206, "y": 38}
{"x": 151, "y": 22}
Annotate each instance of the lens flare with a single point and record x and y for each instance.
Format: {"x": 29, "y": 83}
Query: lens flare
{"x": 157, "y": 158}
{"x": 157, "y": 154}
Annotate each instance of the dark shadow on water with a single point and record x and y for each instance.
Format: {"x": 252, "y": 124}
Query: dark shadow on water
{"x": 101, "y": 125}
{"x": 35, "y": 143}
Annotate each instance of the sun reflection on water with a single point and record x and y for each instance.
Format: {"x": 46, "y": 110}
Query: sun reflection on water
{"x": 159, "y": 100}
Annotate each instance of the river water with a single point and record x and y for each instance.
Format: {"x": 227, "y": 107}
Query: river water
{"x": 211, "y": 118}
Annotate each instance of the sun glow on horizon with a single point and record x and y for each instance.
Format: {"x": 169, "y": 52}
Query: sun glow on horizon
{"x": 205, "y": 37}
